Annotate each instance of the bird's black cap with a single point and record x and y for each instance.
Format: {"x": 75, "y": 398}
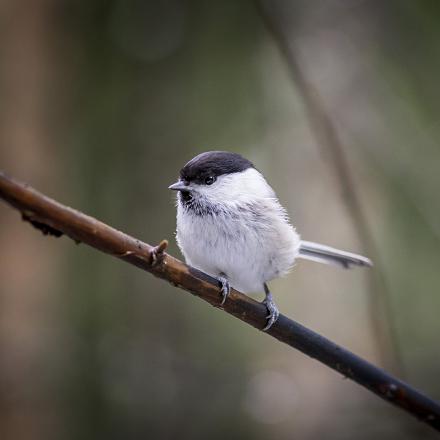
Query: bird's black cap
{"x": 213, "y": 163}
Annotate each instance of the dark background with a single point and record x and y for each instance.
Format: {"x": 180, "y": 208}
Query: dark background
{"x": 101, "y": 103}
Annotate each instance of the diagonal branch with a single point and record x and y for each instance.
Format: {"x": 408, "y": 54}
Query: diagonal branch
{"x": 53, "y": 218}
{"x": 328, "y": 139}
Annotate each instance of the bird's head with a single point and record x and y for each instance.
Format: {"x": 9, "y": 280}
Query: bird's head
{"x": 220, "y": 178}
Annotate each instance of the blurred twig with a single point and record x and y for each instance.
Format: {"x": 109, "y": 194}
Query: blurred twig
{"x": 323, "y": 129}
{"x": 53, "y": 218}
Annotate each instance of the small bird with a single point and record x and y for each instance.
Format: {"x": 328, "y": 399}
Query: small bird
{"x": 231, "y": 225}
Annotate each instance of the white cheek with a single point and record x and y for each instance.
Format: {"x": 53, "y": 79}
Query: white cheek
{"x": 237, "y": 187}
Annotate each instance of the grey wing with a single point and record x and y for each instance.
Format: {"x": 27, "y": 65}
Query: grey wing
{"x": 328, "y": 255}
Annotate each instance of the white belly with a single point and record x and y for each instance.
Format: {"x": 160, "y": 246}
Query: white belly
{"x": 249, "y": 251}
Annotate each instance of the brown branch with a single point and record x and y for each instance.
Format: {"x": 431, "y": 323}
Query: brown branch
{"x": 328, "y": 140}
{"x": 56, "y": 219}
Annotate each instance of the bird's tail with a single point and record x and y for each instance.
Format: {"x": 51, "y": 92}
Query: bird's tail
{"x": 328, "y": 255}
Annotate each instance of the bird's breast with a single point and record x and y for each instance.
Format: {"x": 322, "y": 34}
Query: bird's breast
{"x": 250, "y": 246}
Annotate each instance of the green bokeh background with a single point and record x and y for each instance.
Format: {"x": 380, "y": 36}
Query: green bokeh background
{"x": 102, "y": 102}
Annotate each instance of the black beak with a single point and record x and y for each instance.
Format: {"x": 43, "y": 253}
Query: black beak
{"x": 180, "y": 186}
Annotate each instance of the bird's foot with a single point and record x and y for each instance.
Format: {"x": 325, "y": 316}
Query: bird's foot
{"x": 274, "y": 313}
{"x": 225, "y": 287}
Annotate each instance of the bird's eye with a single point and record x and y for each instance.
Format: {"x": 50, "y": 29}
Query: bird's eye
{"x": 210, "y": 180}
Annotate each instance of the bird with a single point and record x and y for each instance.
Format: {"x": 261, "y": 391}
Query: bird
{"x": 231, "y": 225}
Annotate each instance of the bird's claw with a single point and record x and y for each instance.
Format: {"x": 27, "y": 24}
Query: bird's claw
{"x": 274, "y": 313}
{"x": 225, "y": 288}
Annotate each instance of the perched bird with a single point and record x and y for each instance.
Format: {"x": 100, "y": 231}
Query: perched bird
{"x": 231, "y": 225}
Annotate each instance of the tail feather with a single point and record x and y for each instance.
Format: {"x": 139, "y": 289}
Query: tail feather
{"x": 328, "y": 255}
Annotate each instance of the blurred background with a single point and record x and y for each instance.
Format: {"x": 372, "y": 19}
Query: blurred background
{"x": 102, "y": 102}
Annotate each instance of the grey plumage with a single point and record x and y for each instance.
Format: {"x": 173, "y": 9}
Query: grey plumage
{"x": 231, "y": 225}
{"x": 320, "y": 253}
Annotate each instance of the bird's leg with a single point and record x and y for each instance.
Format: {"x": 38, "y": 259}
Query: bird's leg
{"x": 271, "y": 307}
{"x": 225, "y": 287}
